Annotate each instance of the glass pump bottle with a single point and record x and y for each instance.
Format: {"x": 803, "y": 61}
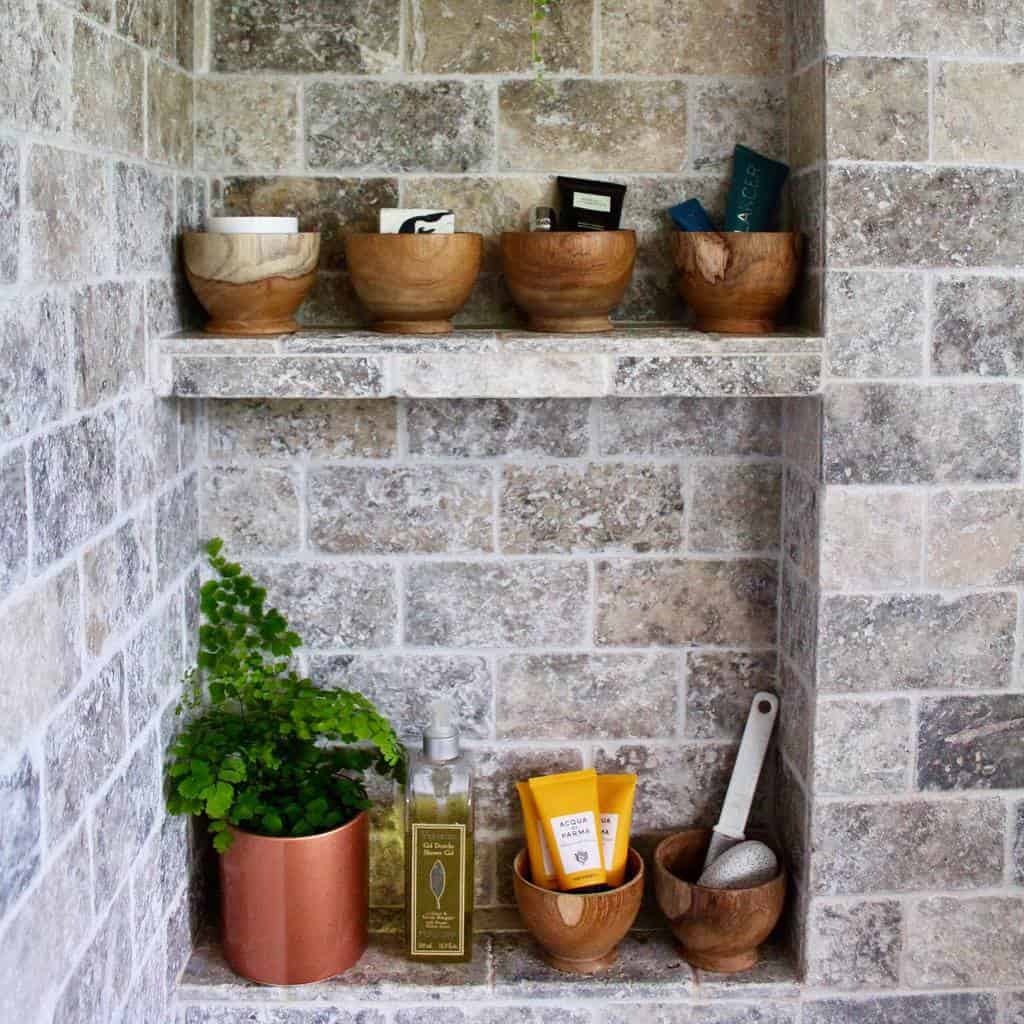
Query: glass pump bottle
{"x": 439, "y": 846}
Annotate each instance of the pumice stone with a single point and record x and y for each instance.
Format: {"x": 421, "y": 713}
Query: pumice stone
{"x": 741, "y": 867}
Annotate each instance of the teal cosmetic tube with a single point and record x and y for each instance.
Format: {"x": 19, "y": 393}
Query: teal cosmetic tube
{"x": 754, "y": 192}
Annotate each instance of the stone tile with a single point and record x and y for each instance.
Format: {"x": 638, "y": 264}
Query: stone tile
{"x": 332, "y": 206}
{"x": 176, "y": 519}
{"x": 904, "y": 434}
{"x": 424, "y": 509}
{"x": 20, "y": 829}
{"x": 36, "y": 44}
{"x": 913, "y": 844}
{"x": 805, "y": 197}
{"x": 332, "y": 302}
{"x": 871, "y": 539}
{"x": 1017, "y": 853}
{"x": 686, "y": 602}
{"x": 801, "y": 435}
{"x": 975, "y": 538}
{"x": 497, "y": 770}
{"x": 806, "y": 101}
{"x": 719, "y": 688}
{"x": 154, "y": 662}
{"x": 728, "y": 1012}
{"x": 968, "y": 942}
{"x": 979, "y": 326}
{"x": 252, "y": 508}
{"x": 10, "y": 210}
{"x": 735, "y": 507}
{"x": 956, "y": 1008}
{"x": 917, "y": 642}
{"x": 493, "y": 1015}
{"x": 147, "y": 998}
{"x": 971, "y": 742}
{"x": 299, "y": 38}
{"x": 181, "y": 934}
{"x": 67, "y": 229}
{"x": 483, "y": 428}
{"x": 488, "y": 604}
{"x": 798, "y": 621}
{"x": 171, "y": 307}
{"x": 147, "y": 895}
{"x": 745, "y": 39}
{"x": 184, "y": 31}
{"x": 150, "y": 23}
{"x": 489, "y": 304}
{"x": 801, "y": 523}
{"x": 971, "y": 101}
{"x": 13, "y": 521}
{"x": 876, "y": 324}
{"x": 245, "y": 124}
{"x": 592, "y": 125}
{"x": 403, "y": 688}
{"x": 147, "y": 446}
{"x": 796, "y": 727}
{"x": 170, "y": 118}
{"x": 862, "y": 748}
{"x": 73, "y": 485}
{"x": 192, "y": 202}
{"x": 681, "y": 785}
{"x": 805, "y": 30}
{"x": 593, "y": 507}
{"x": 752, "y": 113}
{"x": 143, "y": 219}
{"x": 855, "y": 945}
{"x": 487, "y": 36}
{"x": 584, "y": 696}
{"x": 108, "y": 339}
{"x": 107, "y": 91}
{"x": 790, "y": 808}
{"x": 442, "y": 126}
{"x": 877, "y": 108}
{"x": 708, "y": 376}
{"x": 652, "y": 296}
{"x": 914, "y": 217}
{"x": 333, "y": 604}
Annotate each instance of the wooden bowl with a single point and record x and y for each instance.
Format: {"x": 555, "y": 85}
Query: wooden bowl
{"x": 251, "y": 284}
{"x": 717, "y": 929}
{"x": 579, "y": 932}
{"x": 568, "y": 281}
{"x": 737, "y": 282}
{"x": 413, "y": 284}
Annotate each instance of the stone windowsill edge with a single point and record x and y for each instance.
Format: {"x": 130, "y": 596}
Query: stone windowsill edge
{"x": 353, "y": 364}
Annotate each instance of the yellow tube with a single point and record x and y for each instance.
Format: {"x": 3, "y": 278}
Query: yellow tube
{"x": 542, "y": 870}
{"x": 568, "y": 810}
{"x": 615, "y": 798}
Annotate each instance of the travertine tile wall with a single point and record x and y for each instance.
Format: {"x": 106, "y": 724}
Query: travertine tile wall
{"x": 332, "y": 111}
{"x": 98, "y": 506}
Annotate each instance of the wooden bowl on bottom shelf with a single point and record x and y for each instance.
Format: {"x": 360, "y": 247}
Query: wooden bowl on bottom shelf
{"x": 251, "y": 284}
{"x": 717, "y": 929}
{"x": 413, "y": 284}
{"x": 737, "y": 282}
{"x": 568, "y": 281}
{"x": 579, "y": 932}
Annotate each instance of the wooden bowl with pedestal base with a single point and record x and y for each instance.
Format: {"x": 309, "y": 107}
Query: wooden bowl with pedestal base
{"x": 579, "y": 933}
{"x": 413, "y": 284}
{"x": 717, "y": 929}
{"x": 568, "y": 281}
{"x": 251, "y": 284}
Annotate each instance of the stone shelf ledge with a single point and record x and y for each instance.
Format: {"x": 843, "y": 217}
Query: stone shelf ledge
{"x": 629, "y": 362}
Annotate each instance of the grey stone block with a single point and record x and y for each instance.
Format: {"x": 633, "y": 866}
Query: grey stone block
{"x": 735, "y": 507}
{"x": 855, "y": 945}
{"x": 147, "y": 446}
{"x": 971, "y": 742}
{"x": 729, "y": 112}
{"x": 801, "y": 435}
{"x": 20, "y": 829}
{"x": 791, "y": 813}
{"x": 143, "y": 219}
{"x": 210, "y": 1014}
{"x": 154, "y": 662}
{"x": 957, "y": 1008}
{"x": 795, "y": 729}
{"x": 975, "y": 538}
{"x": 685, "y": 602}
{"x": 719, "y": 688}
{"x": 907, "y": 845}
{"x": 979, "y": 326}
{"x": 148, "y": 996}
{"x": 148, "y": 899}
{"x": 149, "y": 23}
{"x": 254, "y": 509}
{"x": 801, "y": 523}
{"x": 170, "y": 120}
{"x": 34, "y": 78}
{"x": 799, "y": 603}
{"x": 176, "y": 530}
{"x": 707, "y": 376}
{"x": 498, "y": 769}
{"x": 73, "y": 485}
{"x": 425, "y": 509}
{"x": 13, "y": 521}
{"x": 399, "y": 126}
{"x": 806, "y": 102}
{"x": 807, "y": 213}
{"x": 805, "y": 27}
{"x": 184, "y": 32}
{"x": 583, "y": 696}
{"x": 972, "y": 120}
{"x": 493, "y": 1015}
{"x": 1017, "y": 853}
{"x": 487, "y": 604}
{"x": 467, "y": 428}
{"x": 917, "y": 641}
{"x": 862, "y": 748}
{"x": 10, "y": 210}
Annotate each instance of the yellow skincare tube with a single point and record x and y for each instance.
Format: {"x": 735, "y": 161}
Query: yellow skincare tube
{"x": 568, "y": 810}
{"x": 542, "y": 870}
{"x": 615, "y": 799}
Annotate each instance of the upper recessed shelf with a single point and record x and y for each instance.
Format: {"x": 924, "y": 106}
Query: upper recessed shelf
{"x": 629, "y": 362}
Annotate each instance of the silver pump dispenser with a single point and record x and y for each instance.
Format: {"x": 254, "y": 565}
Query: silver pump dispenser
{"x": 441, "y": 738}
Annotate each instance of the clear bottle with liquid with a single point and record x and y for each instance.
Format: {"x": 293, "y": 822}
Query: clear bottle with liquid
{"x": 439, "y": 846}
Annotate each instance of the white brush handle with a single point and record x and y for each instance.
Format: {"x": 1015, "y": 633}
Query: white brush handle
{"x": 753, "y": 746}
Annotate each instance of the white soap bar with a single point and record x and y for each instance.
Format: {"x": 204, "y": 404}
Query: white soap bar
{"x": 252, "y": 225}
{"x": 416, "y": 222}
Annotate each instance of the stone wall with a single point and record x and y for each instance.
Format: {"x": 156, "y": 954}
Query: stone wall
{"x": 432, "y": 103}
{"x": 98, "y": 506}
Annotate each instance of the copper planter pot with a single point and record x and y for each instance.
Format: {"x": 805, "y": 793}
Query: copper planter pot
{"x": 295, "y": 910}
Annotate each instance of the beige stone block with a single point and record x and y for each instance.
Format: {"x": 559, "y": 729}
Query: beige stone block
{"x": 170, "y": 122}
{"x": 735, "y": 507}
{"x": 977, "y": 112}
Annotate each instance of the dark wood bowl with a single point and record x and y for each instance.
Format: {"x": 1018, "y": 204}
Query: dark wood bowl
{"x": 717, "y": 929}
{"x": 737, "y": 282}
{"x": 413, "y": 284}
{"x": 579, "y": 932}
{"x": 568, "y": 281}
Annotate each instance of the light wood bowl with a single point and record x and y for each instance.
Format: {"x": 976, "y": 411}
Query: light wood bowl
{"x": 568, "y": 281}
{"x": 413, "y": 284}
{"x": 737, "y": 282}
{"x": 579, "y": 932}
{"x": 251, "y": 284}
{"x": 717, "y": 929}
